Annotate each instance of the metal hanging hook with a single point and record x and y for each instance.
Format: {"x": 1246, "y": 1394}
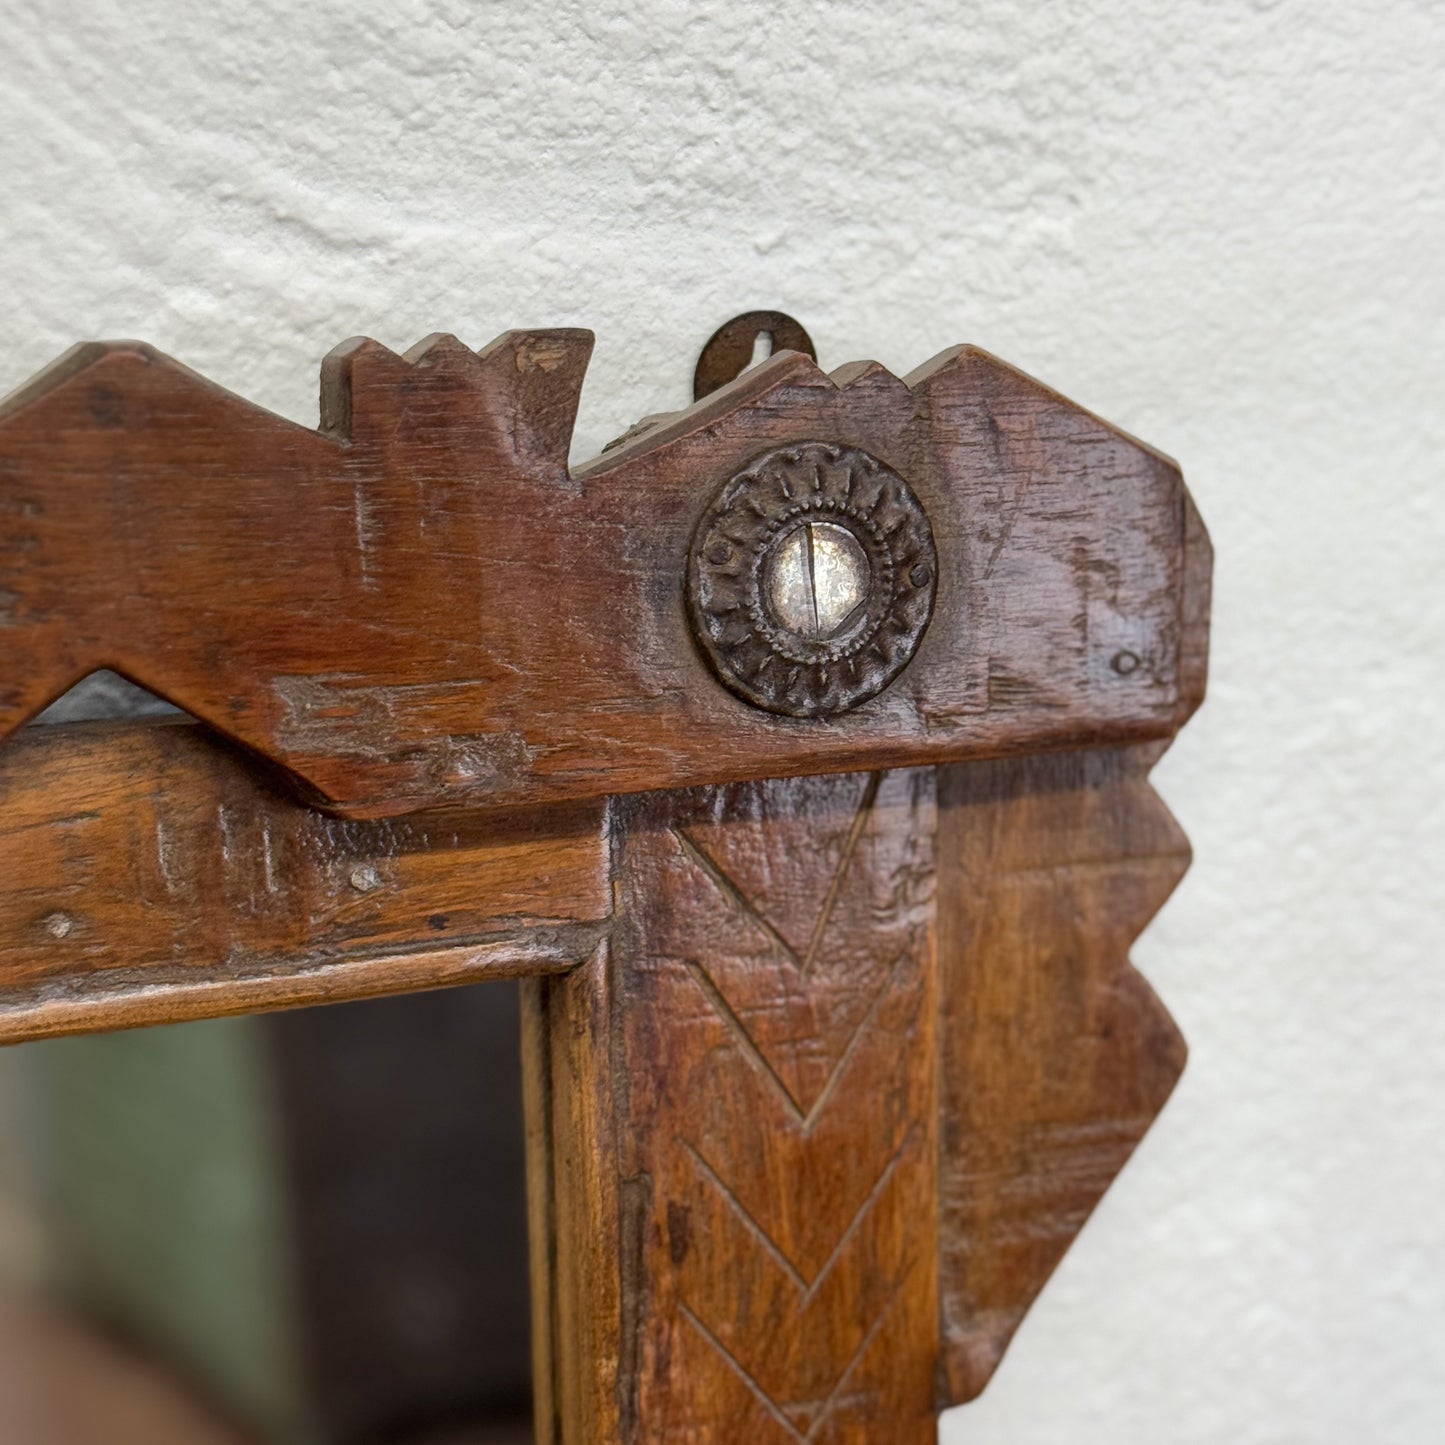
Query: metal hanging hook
{"x": 729, "y": 350}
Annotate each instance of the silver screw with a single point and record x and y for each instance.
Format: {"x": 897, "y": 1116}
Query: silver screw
{"x": 365, "y": 878}
{"x": 58, "y": 925}
{"x": 817, "y": 579}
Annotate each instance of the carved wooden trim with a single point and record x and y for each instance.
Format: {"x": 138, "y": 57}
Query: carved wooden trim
{"x": 771, "y": 1031}
{"x": 385, "y": 606}
{"x": 813, "y": 1143}
{"x": 832, "y": 1039}
{"x": 1056, "y": 1054}
{"x": 148, "y": 875}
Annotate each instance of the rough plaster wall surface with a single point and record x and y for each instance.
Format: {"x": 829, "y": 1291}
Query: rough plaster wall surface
{"x": 1220, "y": 225}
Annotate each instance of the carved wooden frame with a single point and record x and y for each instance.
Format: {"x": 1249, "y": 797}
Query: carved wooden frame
{"x": 832, "y": 1038}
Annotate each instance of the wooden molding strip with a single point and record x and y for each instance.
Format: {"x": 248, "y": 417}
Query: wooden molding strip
{"x": 420, "y": 604}
{"x": 1057, "y": 1056}
{"x": 151, "y": 873}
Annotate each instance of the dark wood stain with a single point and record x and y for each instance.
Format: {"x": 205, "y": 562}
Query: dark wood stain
{"x": 831, "y": 1041}
{"x": 420, "y": 605}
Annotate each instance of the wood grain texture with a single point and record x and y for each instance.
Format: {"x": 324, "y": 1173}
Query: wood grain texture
{"x": 1196, "y": 589}
{"x": 419, "y": 604}
{"x": 1056, "y": 1054}
{"x": 760, "y": 1180}
{"x": 149, "y": 873}
{"x": 812, "y": 1116}
{"x": 573, "y": 1205}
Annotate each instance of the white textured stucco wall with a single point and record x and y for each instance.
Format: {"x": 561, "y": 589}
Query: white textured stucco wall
{"x": 1221, "y": 225}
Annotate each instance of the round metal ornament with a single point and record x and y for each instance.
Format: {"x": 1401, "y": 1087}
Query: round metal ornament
{"x": 811, "y": 579}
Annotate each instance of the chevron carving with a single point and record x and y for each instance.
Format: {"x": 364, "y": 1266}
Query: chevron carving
{"x": 784, "y": 1113}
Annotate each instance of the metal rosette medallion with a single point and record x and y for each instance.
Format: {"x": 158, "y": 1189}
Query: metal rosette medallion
{"x": 811, "y": 579}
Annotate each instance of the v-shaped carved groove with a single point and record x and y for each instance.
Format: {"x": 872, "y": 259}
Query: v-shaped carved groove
{"x": 741, "y": 1371}
{"x": 806, "y": 1119}
{"x": 795, "y": 1077}
{"x": 855, "y": 833}
{"x": 735, "y": 895}
{"x": 873, "y": 1331}
{"x": 808, "y": 1288}
{"x": 729, "y": 886}
{"x": 782, "y": 1265}
{"x": 830, "y": 1401}
{"x": 750, "y": 1049}
{"x": 769, "y": 1244}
